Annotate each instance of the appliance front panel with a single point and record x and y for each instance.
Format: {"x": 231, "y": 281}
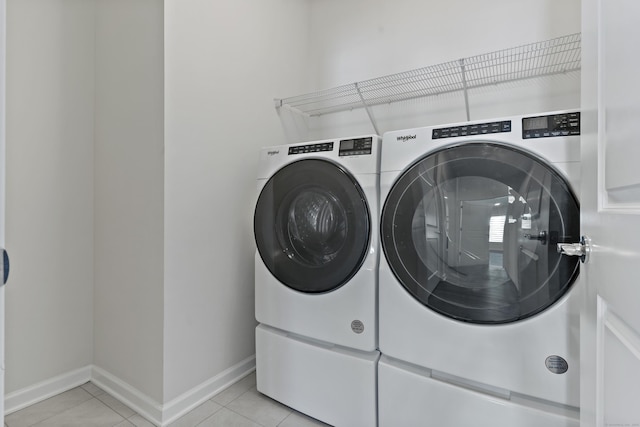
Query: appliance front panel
{"x": 411, "y": 397}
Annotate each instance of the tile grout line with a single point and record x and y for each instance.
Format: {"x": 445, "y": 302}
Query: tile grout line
{"x": 229, "y": 409}
{"x": 74, "y": 407}
{"x": 60, "y": 412}
{"x": 226, "y": 406}
{"x": 250, "y": 389}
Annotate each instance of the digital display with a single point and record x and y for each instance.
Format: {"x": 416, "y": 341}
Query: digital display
{"x": 553, "y": 125}
{"x": 355, "y": 147}
{"x": 533, "y": 123}
{"x": 346, "y": 144}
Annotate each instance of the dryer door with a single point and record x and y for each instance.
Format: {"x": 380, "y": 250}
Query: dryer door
{"x": 471, "y": 231}
{"x": 312, "y": 226}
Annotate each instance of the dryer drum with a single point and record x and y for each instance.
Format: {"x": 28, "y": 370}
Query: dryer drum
{"x": 470, "y": 231}
{"x": 312, "y": 226}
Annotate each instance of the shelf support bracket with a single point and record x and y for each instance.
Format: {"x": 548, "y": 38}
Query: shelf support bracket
{"x": 294, "y": 122}
{"x": 366, "y": 107}
{"x": 465, "y": 88}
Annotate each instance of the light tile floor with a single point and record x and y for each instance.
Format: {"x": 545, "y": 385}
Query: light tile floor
{"x": 240, "y": 405}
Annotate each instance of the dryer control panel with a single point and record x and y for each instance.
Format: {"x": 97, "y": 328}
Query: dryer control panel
{"x": 311, "y": 148}
{"x": 356, "y": 146}
{"x": 472, "y": 129}
{"x": 548, "y": 126}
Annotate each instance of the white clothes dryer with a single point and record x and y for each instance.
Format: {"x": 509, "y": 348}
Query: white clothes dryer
{"x": 479, "y": 313}
{"x": 316, "y": 265}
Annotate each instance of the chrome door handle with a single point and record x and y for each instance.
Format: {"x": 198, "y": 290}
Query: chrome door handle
{"x": 581, "y": 249}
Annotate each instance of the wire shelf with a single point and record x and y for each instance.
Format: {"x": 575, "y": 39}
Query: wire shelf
{"x": 550, "y": 57}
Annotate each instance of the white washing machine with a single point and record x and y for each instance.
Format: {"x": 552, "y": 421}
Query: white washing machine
{"x": 316, "y": 266}
{"x": 479, "y": 313}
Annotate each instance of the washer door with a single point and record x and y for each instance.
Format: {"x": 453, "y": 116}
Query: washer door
{"x": 471, "y": 232}
{"x": 312, "y": 226}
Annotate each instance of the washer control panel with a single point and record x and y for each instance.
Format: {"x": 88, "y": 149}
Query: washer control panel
{"x": 356, "y": 146}
{"x": 474, "y": 129}
{"x": 311, "y": 148}
{"x": 552, "y": 125}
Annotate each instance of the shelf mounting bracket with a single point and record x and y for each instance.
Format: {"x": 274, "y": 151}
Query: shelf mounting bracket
{"x": 465, "y": 88}
{"x": 366, "y": 107}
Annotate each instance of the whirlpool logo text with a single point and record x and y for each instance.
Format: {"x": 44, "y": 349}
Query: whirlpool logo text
{"x": 405, "y": 138}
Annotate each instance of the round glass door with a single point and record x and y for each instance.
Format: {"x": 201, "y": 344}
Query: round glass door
{"x": 470, "y": 231}
{"x": 312, "y": 226}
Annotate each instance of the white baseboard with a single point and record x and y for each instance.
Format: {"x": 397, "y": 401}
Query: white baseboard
{"x": 43, "y": 390}
{"x": 155, "y": 412}
{"x": 127, "y": 394}
{"x": 189, "y": 400}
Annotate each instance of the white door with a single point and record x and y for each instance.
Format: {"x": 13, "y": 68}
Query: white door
{"x": 2, "y": 186}
{"x": 610, "y": 204}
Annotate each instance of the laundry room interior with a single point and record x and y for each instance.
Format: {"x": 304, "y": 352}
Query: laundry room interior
{"x": 134, "y": 131}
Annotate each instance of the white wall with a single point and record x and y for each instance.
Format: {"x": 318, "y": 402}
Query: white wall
{"x": 86, "y": 136}
{"x": 357, "y": 40}
{"x": 129, "y": 169}
{"x": 49, "y": 217}
{"x": 360, "y": 39}
{"x": 224, "y": 62}
{"x": 62, "y": 98}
